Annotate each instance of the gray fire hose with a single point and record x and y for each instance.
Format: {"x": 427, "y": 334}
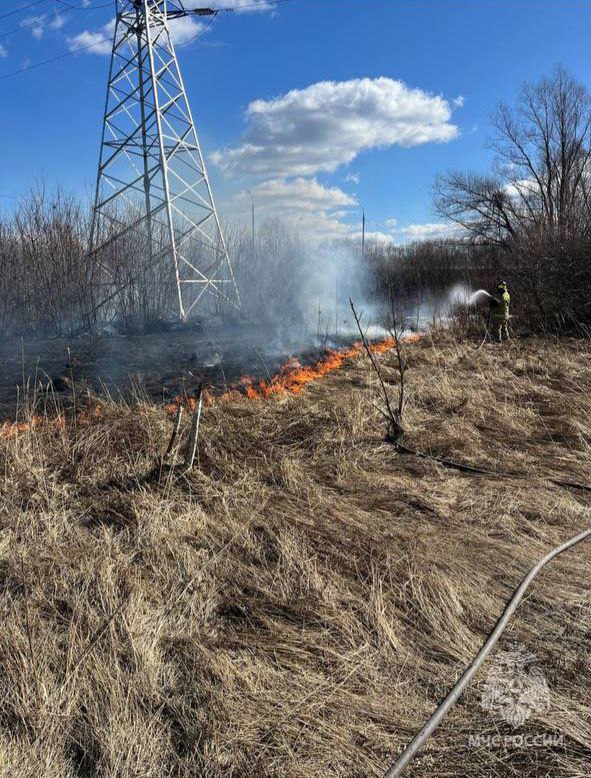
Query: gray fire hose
{"x": 420, "y": 738}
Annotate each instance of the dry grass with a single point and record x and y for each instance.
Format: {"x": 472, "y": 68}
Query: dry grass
{"x": 297, "y": 606}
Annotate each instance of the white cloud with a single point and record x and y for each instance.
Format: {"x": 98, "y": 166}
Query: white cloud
{"x": 3, "y": 51}
{"x": 100, "y": 41}
{"x": 36, "y": 24}
{"x": 353, "y": 178}
{"x": 373, "y": 237}
{"x": 329, "y": 123}
{"x": 240, "y": 6}
{"x": 317, "y": 211}
{"x": 426, "y": 231}
{"x": 409, "y": 233}
{"x": 522, "y": 188}
{"x": 303, "y": 204}
{"x": 184, "y": 29}
{"x": 458, "y": 102}
{"x": 302, "y": 193}
{"x": 57, "y": 22}
{"x": 93, "y": 41}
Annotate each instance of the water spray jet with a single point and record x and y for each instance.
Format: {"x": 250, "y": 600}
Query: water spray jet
{"x": 472, "y": 300}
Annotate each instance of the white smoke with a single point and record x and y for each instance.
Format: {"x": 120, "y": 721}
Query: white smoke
{"x": 331, "y": 276}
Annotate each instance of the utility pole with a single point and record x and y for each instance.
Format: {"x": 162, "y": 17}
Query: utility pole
{"x": 252, "y": 230}
{"x": 153, "y": 197}
{"x": 363, "y": 235}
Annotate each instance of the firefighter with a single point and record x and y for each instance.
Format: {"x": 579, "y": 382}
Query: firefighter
{"x": 499, "y": 309}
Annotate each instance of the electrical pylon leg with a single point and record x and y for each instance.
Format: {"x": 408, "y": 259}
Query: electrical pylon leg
{"x": 156, "y": 237}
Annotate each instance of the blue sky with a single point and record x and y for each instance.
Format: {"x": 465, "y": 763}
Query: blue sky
{"x": 321, "y": 108}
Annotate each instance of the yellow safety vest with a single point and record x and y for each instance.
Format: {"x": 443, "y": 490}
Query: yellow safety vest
{"x": 500, "y": 310}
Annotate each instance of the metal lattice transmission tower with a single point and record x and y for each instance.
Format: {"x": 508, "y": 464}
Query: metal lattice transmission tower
{"x": 156, "y": 235}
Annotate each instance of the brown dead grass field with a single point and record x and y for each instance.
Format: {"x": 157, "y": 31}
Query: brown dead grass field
{"x": 299, "y": 603}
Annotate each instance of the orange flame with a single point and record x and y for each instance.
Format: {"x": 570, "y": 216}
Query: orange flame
{"x": 292, "y": 378}
{"x": 10, "y": 429}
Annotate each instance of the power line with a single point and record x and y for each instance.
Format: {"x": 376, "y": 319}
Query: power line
{"x": 54, "y": 59}
{"x": 92, "y": 45}
{"x": 40, "y": 19}
{"x": 106, "y": 39}
{"x": 22, "y": 8}
{"x": 201, "y": 31}
{"x": 83, "y": 7}
{"x": 268, "y": 3}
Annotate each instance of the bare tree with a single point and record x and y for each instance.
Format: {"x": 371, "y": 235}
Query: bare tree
{"x": 540, "y": 179}
{"x": 535, "y": 203}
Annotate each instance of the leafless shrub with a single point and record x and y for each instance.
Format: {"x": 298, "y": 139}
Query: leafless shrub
{"x": 44, "y": 278}
{"x": 268, "y": 271}
{"x": 50, "y": 283}
{"x": 393, "y": 413}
